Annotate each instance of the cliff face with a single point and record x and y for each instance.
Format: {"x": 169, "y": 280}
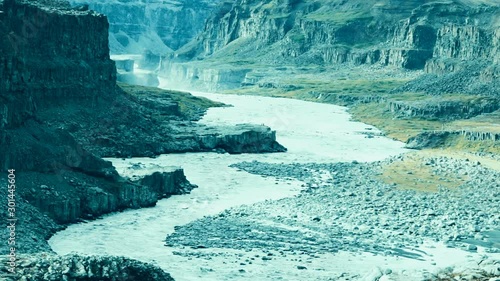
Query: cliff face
{"x": 152, "y": 25}
{"x": 401, "y": 33}
{"x": 46, "y": 59}
{"x": 52, "y": 74}
{"x": 61, "y": 109}
{"x": 44, "y": 65}
{"x": 46, "y": 62}
{"x": 413, "y": 35}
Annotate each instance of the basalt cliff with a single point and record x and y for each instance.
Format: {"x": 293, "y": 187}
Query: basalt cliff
{"x": 61, "y": 109}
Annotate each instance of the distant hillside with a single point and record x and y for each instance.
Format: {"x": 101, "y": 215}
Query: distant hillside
{"x": 436, "y": 36}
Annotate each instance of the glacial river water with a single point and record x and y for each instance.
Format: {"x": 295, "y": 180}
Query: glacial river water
{"x": 312, "y": 132}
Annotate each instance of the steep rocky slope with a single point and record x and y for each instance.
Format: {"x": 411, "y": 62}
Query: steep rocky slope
{"x": 61, "y": 110}
{"x": 430, "y": 62}
{"x": 41, "y": 47}
{"x": 153, "y": 26}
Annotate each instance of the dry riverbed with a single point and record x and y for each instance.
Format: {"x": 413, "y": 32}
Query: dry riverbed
{"x": 352, "y": 213}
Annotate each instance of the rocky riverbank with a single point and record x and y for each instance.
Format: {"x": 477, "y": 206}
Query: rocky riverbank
{"x": 147, "y": 122}
{"x": 61, "y": 110}
{"x": 360, "y": 208}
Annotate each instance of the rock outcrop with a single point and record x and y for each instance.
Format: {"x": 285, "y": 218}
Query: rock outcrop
{"x": 74, "y": 267}
{"x": 431, "y": 139}
{"x": 32, "y": 226}
{"x": 464, "y": 60}
{"x": 242, "y": 138}
{"x": 438, "y": 109}
{"x": 437, "y": 139}
{"x": 67, "y": 197}
{"x": 167, "y": 183}
{"x": 46, "y": 60}
{"x": 480, "y": 136}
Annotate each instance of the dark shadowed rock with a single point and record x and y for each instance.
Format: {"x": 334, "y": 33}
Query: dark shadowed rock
{"x": 167, "y": 183}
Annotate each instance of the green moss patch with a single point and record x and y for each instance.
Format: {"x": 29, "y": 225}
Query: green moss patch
{"x": 189, "y": 105}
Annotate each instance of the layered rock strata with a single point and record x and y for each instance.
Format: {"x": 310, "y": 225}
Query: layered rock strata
{"x": 46, "y": 61}
{"x": 444, "y": 110}
{"x": 436, "y": 37}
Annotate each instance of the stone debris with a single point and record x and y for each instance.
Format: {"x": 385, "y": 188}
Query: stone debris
{"x": 73, "y": 267}
{"x": 357, "y": 212}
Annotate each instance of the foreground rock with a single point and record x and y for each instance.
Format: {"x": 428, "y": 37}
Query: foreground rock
{"x": 45, "y": 202}
{"x": 73, "y": 267}
{"x": 484, "y": 269}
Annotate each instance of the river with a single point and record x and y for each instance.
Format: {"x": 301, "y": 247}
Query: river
{"x": 312, "y": 132}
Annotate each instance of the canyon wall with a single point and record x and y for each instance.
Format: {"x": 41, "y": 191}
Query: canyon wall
{"x": 51, "y": 75}
{"x": 61, "y": 110}
{"x": 437, "y": 37}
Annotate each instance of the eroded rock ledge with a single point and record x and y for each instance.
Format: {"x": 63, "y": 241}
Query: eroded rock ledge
{"x": 242, "y": 138}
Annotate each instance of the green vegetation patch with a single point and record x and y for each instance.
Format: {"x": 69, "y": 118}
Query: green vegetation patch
{"x": 412, "y": 173}
{"x": 189, "y": 105}
{"x": 483, "y": 123}
{"x": 379, "y": 115}
{"x": 235, "y": 55}
{"x": 465, "y": 98}
{"x": 460, "y": 143}
{"x": 297, "y": 37}
{"x": 369, "y": 99}
{"x": 352, "y": 86}
{"x": 324, "y": 90}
